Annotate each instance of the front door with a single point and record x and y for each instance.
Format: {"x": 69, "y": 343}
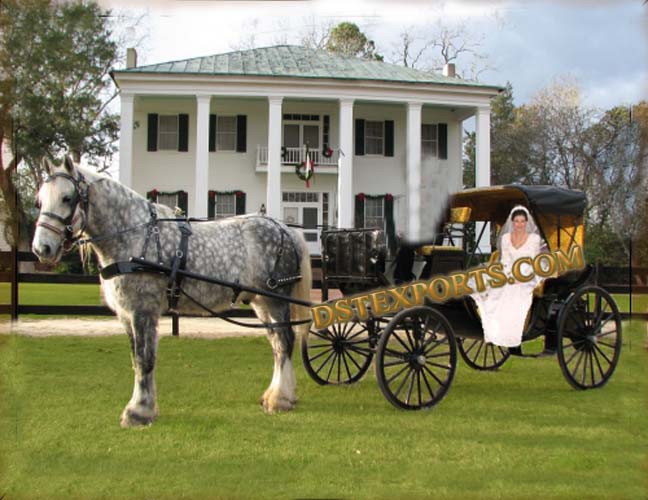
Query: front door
{"x": 304, "y": 209}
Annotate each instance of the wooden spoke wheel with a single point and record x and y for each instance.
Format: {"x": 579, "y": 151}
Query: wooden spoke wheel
{"x": 589, "y": 338}
{"x": 416, "y": 358}
{"x": 482, "y": 355}
{"x": 340, "y": 354}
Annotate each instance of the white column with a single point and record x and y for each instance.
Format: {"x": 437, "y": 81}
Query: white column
{"x": 126, "y": 139}
{"x": 482, "y": 165}
{"x": 201, "y": 177}
{"x": 273, "y": 194}
{"x": 414, "y": 170}
{"x": 345, "y": 203}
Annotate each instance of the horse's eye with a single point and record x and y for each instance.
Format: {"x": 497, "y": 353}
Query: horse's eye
{"x": 67, "y": 199}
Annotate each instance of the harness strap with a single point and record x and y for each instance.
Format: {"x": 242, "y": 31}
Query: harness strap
{"x": 271, "y": 326}
{"x": 153, "y": 230}
{"x": 179, "y": 262}
{"x": 273, "y": 282}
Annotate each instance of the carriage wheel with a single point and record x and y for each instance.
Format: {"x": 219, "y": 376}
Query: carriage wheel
{"x": 482, "y": 355}
{"x": 589, "y": 338}
{"x": 417, "y": 358}
{"x": 340, "y": 354}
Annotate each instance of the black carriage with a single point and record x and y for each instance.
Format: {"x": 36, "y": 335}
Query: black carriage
{"x": 416, "y": 348}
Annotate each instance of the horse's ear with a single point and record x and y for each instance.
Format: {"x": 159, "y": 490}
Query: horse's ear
{"x": 46, "y": 166}
{"x": 69, "y": 164}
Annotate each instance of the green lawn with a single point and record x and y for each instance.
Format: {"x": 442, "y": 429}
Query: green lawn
{"x": 518, "y": 433}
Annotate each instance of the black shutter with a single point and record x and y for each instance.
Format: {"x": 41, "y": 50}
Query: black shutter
{"x": 443, "y": 141}
{"x": 212, "y": 132}
{"x": 182, "y": 201}
{"x": 151, "y": 143}
{"x": 240, "y": 203}
{"x": 241, "y": 134}
{"x": 359, "y": 137}
{"x": 389, "y": 138}
{"x": 183, "y": 132}
{"x": 390, "y": 228}
{"x": 211, "y": 204}
{"x": 325, "y": 132}
{"x": 359, "y": 211}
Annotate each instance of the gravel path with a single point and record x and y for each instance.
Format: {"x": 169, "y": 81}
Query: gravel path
{"x": 97, "y": 327}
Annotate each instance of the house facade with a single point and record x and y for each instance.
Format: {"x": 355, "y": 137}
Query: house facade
{"x": 242, "y": 132}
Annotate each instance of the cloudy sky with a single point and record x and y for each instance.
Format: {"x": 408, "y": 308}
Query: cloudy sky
{"x": 602, "y": 44}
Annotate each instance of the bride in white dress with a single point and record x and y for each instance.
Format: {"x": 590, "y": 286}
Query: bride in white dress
{"x": 503, "y": 310}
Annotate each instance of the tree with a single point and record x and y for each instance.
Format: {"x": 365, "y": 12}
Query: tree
{"x": 433, "y": 46}
{"x": 347, "y": 40}
{"x": 556, "y": 140}
{"x": 315, "y": 34}
{"x": 55, "y": 59}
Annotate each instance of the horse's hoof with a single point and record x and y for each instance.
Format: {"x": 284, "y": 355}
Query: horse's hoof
{"x": 132, "y": 418}
{"x": 275, "y": 403}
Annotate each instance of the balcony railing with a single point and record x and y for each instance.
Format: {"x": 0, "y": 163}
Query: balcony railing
{"x": 294, "y": 156}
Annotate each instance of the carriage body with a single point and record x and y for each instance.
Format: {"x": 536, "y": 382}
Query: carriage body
{"x": 579, "y": 321}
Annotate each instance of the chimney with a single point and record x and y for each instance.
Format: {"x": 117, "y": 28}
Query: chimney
{"x": 449, "y": 70}
{"x": 131, "y": 58}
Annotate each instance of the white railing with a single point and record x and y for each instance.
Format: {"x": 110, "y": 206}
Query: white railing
{"x": 294, "y": 156}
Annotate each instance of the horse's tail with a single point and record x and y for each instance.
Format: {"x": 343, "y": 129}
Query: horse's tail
{"x": 302, "y": 289}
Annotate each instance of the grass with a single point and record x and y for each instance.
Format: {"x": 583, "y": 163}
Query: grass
{"x": 88, "y": 294}
{"x": 518, "y": 433}
{"x": 54, "y": 294}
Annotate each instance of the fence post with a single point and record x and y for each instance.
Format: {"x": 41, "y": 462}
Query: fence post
{"x": 14, "y": 282}
{"x": 630, "y": 275}
{"x": 175, "y": 322}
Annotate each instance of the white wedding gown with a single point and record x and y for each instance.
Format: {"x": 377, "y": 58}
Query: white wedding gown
{"x": 503, "y": 310}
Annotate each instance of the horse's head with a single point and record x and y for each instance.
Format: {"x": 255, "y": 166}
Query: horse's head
{"x": 63, "y": 199}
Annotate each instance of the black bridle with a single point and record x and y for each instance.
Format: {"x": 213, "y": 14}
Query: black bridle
{"x": 79, "y": 199}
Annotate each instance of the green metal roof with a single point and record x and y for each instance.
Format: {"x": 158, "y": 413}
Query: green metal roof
{"x": 298, "y": 62}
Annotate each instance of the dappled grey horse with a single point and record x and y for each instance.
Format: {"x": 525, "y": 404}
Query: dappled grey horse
{"x": 118, "y": 223}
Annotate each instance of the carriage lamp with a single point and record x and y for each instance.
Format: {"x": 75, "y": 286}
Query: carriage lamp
{"x": 262, "y": 209}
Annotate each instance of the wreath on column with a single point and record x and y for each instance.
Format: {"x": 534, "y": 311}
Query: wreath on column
{"x": 327, "y": 152}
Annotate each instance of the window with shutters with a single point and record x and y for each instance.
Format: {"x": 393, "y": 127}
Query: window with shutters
{"x": 168, "y": 133}
{"x": 168, "y": 199}
{"x": 374, "y": 138}
{"x": 429, "y": 140}
{"x": 225, "y": 133}
{"x": 225, "y": 206}
{"x": 374, "y": 213}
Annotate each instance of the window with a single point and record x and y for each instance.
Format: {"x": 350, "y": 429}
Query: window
{"x": 225, "y": 205}
{"x": 168, "y": 132}
{"x": 374, "y": 213}
{"x": 429, "y": 140}
{"x": 172, "y": 199}
{"x": 374, "y": 138}
{"x": 226, "y": 133}
{"x": 221, "y": 204}
{"x": 168, "y": 199}
{"x": 301, "y": 196}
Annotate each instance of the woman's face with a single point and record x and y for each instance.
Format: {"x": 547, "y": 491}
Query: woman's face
{"x": 519, "y": 224}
